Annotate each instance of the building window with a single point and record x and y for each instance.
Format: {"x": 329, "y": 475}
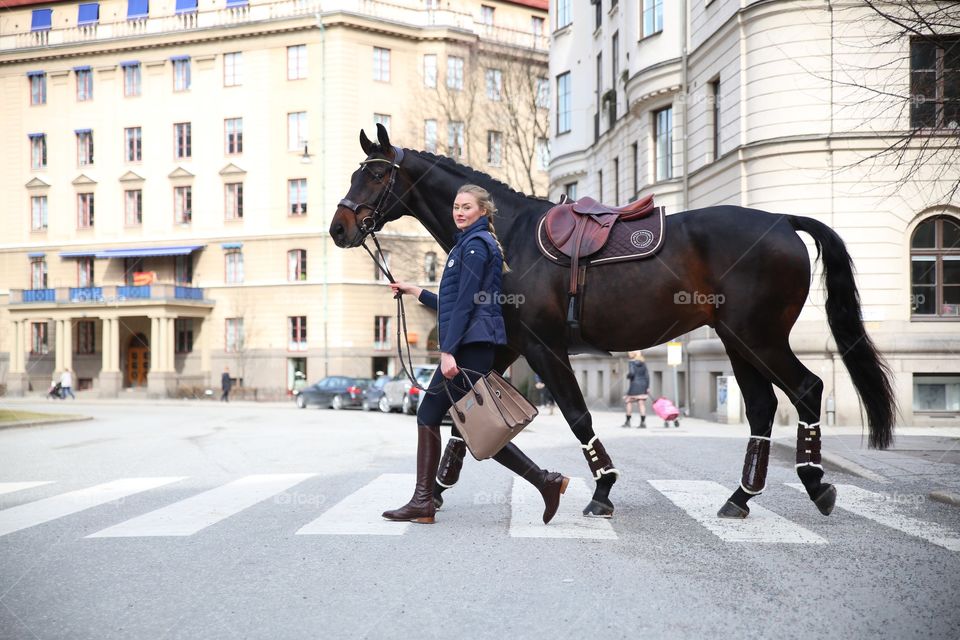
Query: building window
{"x": 181, "y": 74}
{"x": 233, "y": 135}
{"x": 381, "y": 332}
{"x": 132, "y": 266}
{"x": 936, "y": 392}
{"x": 382, "y": 118}
{"x": 615, "y": 58}
{"x": 84, "y": 84}
{"x": 234, "y": 335}
{"x": 132, "y": 146}
{"x": 430, "y": 265}
{"x": 616, "y": 182}
{"x": 183, "y": 328}
{"x": 486, "y": 15}
{"x": 38, "y": 339}
{"x": 183, "y": 270}
{"x": 233, "y": 266}
{"x": 233, "y": 201}
{"x": 84, "y": 147}
{"x": 935, "y": 82}
{"x": 564, "y": 15}
{"x": 598, "y": 13}
{"x": 455, "y": 140}
{"x": 430, "y": 135}
{"x": 182, "y": 205}
{"x": 494, "y": 148}
{"x": 570, "y": 190}
{"x": 296, "y": 130}
{"x": 232, "y": 69}
{"x": 38, "y": 88}
{"x": 537, "y": 25}
{"x": 543, "y": 93}
{"x": 38, "y": 151}
{"x": 38, "y": 213}
{"x": 298, "y": 196}
{"x": 131, "y": 79}
{"x": 713, "y": 89}
{"x": 430, "y": 71}
{"x": 38, "y": 273}
{"x": 86, "y": 335}
{"x": 543, "y": 154}
{"x": 663, "y": 143}
{"x": 652, "y": 17}
{"x": 296, "y": 265}
{"x": 85, "y": 272}
{"x": 183, "y": 146}
{"x": 494, "y": 84}
{"x": 455, "y": 73}
{"x": 935, "y": 268}
{"x": 383, "y": 260}
{"x": 297, "y": 62}
{"x": 297, "y": 332}
{"x": 563, "y": 102}
{"x": 600, "y": 184}
{"x": 381, "y": 64}
{"x": 635, "y": 154}
{"x": 133, "y": 207}
{"x": 84, "y": 210}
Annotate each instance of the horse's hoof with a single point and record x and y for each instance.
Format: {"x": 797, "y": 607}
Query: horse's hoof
{"x": 598, "y": 509}
{"x": 733, "y": 511}
{"x": 827, "y": 499}
{"x": 437, "y": 501}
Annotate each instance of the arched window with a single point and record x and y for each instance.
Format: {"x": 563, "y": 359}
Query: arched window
{"x": 935, "y": 268}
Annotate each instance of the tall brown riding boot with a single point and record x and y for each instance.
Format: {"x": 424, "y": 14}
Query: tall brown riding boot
{"x": 421, "y": 508}
{"x": 550, "y": 484}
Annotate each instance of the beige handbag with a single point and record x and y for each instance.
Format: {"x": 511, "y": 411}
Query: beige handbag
{"x": 490, "y": 414}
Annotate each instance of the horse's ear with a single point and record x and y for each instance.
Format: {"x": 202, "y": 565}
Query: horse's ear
{"x": 383, "y": 137}
{"x": 365, "y": 143}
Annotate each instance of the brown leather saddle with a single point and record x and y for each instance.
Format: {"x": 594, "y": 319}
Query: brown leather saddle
{"x": 585, "y": 232}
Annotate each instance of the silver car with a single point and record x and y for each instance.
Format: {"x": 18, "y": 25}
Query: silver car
{"x": 400, "y": 395}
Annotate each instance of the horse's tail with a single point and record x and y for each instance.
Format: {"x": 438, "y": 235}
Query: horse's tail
{"x": 868, "y": 370}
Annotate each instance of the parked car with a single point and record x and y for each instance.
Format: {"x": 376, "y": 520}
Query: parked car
{"x": 424, "y": 381}
{"x": 336, "y": 392}
{"x": 373, "y": 393}
{"x": 400, "y": 395}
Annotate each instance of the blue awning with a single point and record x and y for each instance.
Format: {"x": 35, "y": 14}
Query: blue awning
{"x": 36, "y": 254}
{"x": 129, "y": 63}
{"x": 83, "y": 67}
{"x": 232, "y": 245}
{"x": 186, "y": 6}
{"x": 237, "y": 3}
{"x": 42, "y": 19}
{"x": 86, "y": 253}
{"x": 147, "y": 252}
{"x": 138, "y": 9}
{"x": 35, "y": 135}
{"x": 82, "y": 130}
{"x": 31, "y": 74}
{"x": 89, "y": 13}
{"x": 175, "y": 58}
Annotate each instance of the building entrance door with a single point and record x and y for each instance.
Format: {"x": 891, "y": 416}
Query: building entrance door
{"x": 138, "y": 364}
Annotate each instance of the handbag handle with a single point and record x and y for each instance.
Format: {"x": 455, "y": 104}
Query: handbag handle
{"x": 476, "y": 394}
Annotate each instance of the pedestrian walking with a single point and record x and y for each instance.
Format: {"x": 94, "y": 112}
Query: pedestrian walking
{"x": 470, "y": 326}
{"x": 638, "y": 390}
{"x": 66, "y": 384}
{"x": 225, "y": 385}
{"x": 544, "y": 397}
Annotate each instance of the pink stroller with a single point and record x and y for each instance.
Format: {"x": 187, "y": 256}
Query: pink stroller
{"x": 668, "y": 411}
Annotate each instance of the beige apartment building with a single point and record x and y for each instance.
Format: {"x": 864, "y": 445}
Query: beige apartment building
{"x": 170, "y": 168}
{"x": 790, "y": 106}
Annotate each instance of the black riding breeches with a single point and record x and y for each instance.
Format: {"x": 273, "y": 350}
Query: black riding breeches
{"x": 477, "y": 356}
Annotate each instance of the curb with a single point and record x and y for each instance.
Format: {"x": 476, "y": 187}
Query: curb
{"x": 38, "y": 423}
{"x": 946, "y": 497}
{"x": 839, "y": 462}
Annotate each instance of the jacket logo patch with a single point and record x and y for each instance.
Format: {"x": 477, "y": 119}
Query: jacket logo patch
{"x": 450, "y": 264}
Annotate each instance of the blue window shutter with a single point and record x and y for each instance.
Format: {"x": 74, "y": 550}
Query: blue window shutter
{"x": 42, "y": 19}
{"x": 186, "y": 6}
{"x": 89, "y": 13}
{"x": 138, "y": 9}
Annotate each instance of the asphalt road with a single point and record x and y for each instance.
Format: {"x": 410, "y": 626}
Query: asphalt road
{"x": 262, "y": 522}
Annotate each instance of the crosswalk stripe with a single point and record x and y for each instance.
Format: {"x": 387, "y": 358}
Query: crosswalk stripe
{"x": 359, "y": 513}
{"x": 883, "y": 509}
{"x": 701, "y": 499}
{"x": 187, "y": 517}
{"x": 10, "y": 487}
{"x": 526, "y": 519}
{"x": 33, "y": 513}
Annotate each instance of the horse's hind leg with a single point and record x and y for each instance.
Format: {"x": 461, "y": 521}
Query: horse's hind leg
{"x": 553, "y": 367}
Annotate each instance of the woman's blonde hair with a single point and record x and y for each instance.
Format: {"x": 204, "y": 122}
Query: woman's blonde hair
{"x": 490, "y": 209}
{"x": 636, "y": 355}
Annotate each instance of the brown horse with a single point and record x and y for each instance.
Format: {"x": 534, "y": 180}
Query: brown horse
{"x": 752, "y": 261}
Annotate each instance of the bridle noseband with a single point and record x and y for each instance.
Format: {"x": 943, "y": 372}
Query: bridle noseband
{"x": 371, "y": 222}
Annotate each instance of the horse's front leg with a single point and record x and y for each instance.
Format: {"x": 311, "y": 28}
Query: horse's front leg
{"x": 553, "y": 366}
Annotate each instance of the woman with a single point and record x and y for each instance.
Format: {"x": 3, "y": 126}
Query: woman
{"x": 639, "y": 388}
{"x": 470, "y": 325}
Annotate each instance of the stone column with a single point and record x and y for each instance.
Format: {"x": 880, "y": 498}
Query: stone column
{"x": 68, "y": 347}
{"x": 171, "y": 345}
{"x": 160, "y": 383}
{"x": 17, "y": 383}
{"x": 59, "y": 342}
{"x": 110, "y": 381}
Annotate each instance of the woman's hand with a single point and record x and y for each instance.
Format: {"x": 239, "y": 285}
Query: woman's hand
{"x": 448, "y": 365}
{"x": 404, "y": 287}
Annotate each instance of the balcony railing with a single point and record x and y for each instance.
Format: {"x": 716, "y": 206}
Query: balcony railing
{"x": 405, "y": 12}
{"x": 106, "y": 295}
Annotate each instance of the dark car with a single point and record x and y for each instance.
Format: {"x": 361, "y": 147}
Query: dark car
{"x": 373, "y": 393}
{"x": 336, "y": 392}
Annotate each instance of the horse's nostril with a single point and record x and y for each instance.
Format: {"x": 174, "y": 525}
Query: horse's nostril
{"x": 337, "y": 231}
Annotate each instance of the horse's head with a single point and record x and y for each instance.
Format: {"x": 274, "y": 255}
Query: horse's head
{"x": 374, "y": 197}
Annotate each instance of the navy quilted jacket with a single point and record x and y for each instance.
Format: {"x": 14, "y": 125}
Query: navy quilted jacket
{"x": 468, "y": 305}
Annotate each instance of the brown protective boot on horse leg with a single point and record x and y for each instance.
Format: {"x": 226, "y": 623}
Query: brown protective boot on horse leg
{"x": 601, "y": 466}
{"x": 450, "y": 465}
{"x": 550, "y": 484}
{"x": 421, "y": 509}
